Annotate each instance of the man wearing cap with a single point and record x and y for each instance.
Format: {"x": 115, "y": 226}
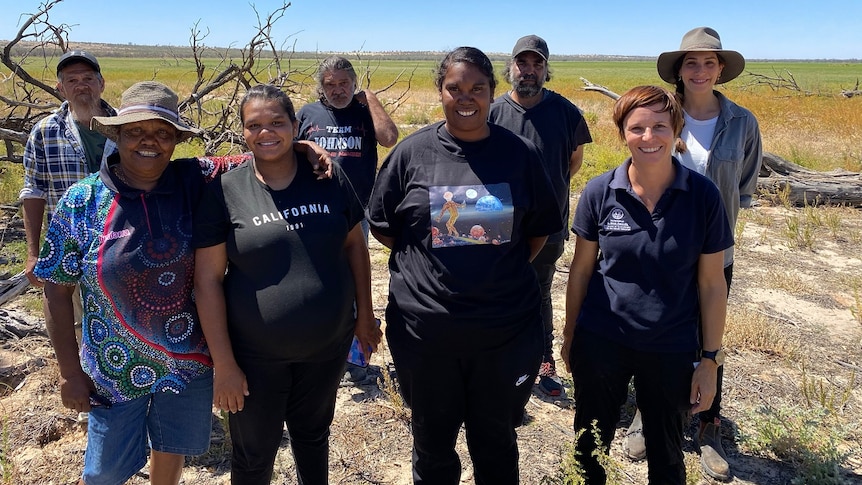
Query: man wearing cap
{"x": 559, "y": 130}
{"x": 62, "y": 148}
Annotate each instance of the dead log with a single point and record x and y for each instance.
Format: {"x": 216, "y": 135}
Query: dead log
{"x": 803, "y": 186}
{"x": 17, "y": 325}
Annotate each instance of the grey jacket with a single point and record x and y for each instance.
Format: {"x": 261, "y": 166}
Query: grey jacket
{"x": 734, "y": 159}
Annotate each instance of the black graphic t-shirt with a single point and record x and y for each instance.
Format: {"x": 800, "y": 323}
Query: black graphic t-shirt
{"x": 462, "y": 215}
{"x": 348, "y": 135}
{"x": 289, "y": 289}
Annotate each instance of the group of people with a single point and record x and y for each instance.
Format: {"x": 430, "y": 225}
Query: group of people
{"x": 475, "y": 210}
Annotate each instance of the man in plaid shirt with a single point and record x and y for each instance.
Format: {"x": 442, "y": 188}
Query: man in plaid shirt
{"x": 61, "y": 148}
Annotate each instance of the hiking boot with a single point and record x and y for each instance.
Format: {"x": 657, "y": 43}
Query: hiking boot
{"x": 549, "y": 383}
{"x": 713, "y": 461}
{"x": 354, "y": 376}
{"x": 633, "y": 443}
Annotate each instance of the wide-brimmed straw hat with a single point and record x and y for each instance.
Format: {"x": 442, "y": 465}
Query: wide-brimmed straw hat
{"x": 701, "y": 39}
{"x": 147, "y": 100}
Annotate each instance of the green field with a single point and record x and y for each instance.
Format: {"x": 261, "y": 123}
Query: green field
{"x": 813, "y": 126}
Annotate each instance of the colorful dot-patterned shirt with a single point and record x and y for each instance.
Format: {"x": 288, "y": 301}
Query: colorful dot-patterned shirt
{"x": 131, "y": 252}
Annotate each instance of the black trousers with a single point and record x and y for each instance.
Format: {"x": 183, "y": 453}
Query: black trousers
{"x": 485, "y": 391}
{"x": 545, "y": 266}
{"x": 602, "y": 370}
{"x": 302, "y": 395}
{"x": 713, "y": 413}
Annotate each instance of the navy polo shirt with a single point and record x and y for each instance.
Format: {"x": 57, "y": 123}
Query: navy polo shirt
{"x": 643, "y": 292}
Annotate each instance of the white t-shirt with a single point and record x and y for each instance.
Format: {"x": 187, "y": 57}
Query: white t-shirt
{"x": 697, "y": 135}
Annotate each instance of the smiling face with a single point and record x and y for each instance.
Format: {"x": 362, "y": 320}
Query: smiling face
{"x": 145, "y": 149}
{"x": 268, "y": 130}
{"x": 700, "y": 71}
{"x": 466, "y": 94}
{"x": 649, "y": 134}
{"x": 338, "y": 88}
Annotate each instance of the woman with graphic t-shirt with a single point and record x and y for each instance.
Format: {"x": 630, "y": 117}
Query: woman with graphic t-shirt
{"x": 280, "y": 261}
{"x": 464, "y": 205}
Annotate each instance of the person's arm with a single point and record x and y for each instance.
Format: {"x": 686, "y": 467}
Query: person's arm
{"x": 75, "y": 384}
{"x": 34, "y": 214}
{"x": 750, "y": 165}
{"x": 576, "y": 160}
{"x": 360, "y": 265}
{"x": 316, "y": 156}
{"x": 712, "y": 291}
{"x": 384, "y": 128}
{"x": 229, "y": 385}
{"x": 580, "y": 272}
{"x": 387, "y": 241}
{"x": 536, "y": 244}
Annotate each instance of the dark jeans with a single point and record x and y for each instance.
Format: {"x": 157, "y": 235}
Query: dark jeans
{"x": 602, "y": 370}
{"x": 299, "y": 394}
{"x": 545, "y": 266}
{"x": 486, "y": 391}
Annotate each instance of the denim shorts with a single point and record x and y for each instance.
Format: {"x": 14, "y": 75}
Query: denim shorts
{"x": 119, "y": 437}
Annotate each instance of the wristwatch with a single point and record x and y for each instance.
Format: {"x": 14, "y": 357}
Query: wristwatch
{"x": 716, "y": 356}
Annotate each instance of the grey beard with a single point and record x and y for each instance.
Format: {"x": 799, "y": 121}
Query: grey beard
{"x": 528, "y": 90}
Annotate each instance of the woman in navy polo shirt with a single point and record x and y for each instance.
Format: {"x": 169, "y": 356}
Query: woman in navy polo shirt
{"x": 647, "y": 270}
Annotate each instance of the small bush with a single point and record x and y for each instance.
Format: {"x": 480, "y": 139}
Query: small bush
{"x": 809, "y": 439}
{"x": 571, "y": 472}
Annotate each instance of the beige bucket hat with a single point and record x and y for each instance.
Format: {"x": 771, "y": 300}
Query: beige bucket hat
{"x": 147, "y": 100}
{"x": 701, "y": 39}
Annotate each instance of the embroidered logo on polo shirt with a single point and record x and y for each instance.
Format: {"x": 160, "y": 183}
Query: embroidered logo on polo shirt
{"x": 616, "y": 222}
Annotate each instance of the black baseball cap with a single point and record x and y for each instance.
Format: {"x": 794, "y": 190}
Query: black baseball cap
{"x": 78, "y": 56}
{"x": 532, "y": 43}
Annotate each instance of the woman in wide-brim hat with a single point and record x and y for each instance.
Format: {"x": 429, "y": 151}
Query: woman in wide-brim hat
{"x": 144, "y": 371}
{"x": 721, "y": 140}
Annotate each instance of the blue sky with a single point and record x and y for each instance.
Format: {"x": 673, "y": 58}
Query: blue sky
{"x": 759, "y": 29}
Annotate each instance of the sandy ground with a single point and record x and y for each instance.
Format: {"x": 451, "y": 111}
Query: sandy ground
{"x": 805, "y": 295}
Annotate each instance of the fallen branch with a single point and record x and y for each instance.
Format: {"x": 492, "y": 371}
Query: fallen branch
{"x": 17, "y": 325}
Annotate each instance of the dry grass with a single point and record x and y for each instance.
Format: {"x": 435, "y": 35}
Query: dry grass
{"x": 752, "y": 330}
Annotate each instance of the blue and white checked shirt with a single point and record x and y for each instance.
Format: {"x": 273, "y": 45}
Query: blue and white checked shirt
{"x": 54, "y": 157}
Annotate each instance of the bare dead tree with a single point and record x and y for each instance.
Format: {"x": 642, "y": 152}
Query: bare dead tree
{"x": 222, "y": 75}
{"x": 779, "y": 80}
{"x": 364, "y": 82}
{"x": 28, "y": 106}
{"x": 45, "y": 34}
{"x": 849, "y": 93}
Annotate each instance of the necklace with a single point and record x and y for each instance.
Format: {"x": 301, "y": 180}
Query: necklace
{"x": 118, "y": 171}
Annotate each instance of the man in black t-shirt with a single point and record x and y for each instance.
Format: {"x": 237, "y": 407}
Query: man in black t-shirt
{"x": 557, "y": 128}
{"x": 349, "y": 125}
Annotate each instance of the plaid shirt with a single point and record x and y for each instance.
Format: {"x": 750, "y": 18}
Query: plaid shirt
{"x": 54, "y": 157}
